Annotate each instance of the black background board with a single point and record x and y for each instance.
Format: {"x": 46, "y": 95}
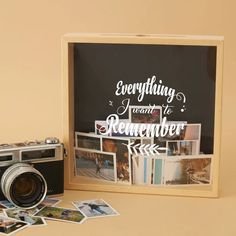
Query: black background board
{"x": 189, "y": 69}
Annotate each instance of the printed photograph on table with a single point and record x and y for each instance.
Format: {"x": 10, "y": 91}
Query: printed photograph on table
{"x": 10, "y": 226}
{"x": 7, "y": 204}
{"x": 95, "y": 208}
{"x": 95, "y": 164}
{"x": 162, "y": 125}
{"x": 46, "y": 202}
{"x": 1, "y": 208}
{"x": 49, "y": 202}
{"x": 61, "y": 214}
{"x": 187, "y": 171}
{"x": 23, "y": 215}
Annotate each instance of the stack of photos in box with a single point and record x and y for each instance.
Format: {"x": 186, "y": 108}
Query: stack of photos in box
{"x": 120, "y": 154}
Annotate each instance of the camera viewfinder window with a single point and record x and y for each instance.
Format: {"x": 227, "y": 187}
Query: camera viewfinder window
{"x": 38, "y": 154}
{"x": 5, "y": 158}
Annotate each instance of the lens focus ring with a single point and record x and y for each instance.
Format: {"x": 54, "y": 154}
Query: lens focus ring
{"x": 23, "y": 185}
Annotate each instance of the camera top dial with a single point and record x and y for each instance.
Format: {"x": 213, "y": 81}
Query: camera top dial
{"x": 51, "y": 140}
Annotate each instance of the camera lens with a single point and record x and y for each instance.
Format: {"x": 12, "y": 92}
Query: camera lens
{"x": 23, "y": 185}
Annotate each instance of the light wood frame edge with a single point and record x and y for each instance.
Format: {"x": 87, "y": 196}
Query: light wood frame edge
{"x": 140, "y": 39}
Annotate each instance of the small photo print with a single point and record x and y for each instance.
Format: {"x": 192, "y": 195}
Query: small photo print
{"x": 187, "y": 171}
{"x": 192, "y": 132}
{"x": 157, "y": 173}
{"x": 86, "y": 140}
{"x": 149, "y": 170}
{"x": 137, "y": 169}
{"x": 123, "y": 162}
{"x": 1, "y": 208}
{"x": 95, "y": 164}
{"x": 7, "y": 204}
{"x": 95, "y": 208}
{"x": 46, "y": 202}
{"x": 23, "y": 215}
{"x": 147, "y": 141}
{"x": 61, "y": 214}
{"x": 49, "y": 202}
{"x": 101, "y": 127}
{"x": 9, "y": 226}
{"x": 141, "y": 140}
{"x": 145, "y": 114}
{"x": 141, "y": 174}
{"x": 152, "y": 170}
{"x": 141, "y": 145}
{"x": 146, "y": 170}
{"x": 136, "y": 141}
{"x": 161, "y": 144}
{"x": 181, "y": 148}
{"x": 187, "y": 132}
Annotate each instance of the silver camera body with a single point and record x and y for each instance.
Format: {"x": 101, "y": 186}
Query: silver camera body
{"x": 31, "y": 170}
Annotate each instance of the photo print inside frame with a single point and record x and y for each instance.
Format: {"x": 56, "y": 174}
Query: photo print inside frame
{"x": 150, "y": 107}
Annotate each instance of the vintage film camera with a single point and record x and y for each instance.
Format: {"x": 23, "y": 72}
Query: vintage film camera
{"x": 31, "y": 170}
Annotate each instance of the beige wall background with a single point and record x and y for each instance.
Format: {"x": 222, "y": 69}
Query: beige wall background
{"x": 30, "y": 57}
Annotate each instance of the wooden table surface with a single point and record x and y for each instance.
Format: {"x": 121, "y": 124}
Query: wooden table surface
{"x": 148, "y": 215}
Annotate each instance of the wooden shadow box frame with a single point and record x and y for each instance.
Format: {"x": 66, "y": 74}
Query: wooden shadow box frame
{"x": 68, "y": 43}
